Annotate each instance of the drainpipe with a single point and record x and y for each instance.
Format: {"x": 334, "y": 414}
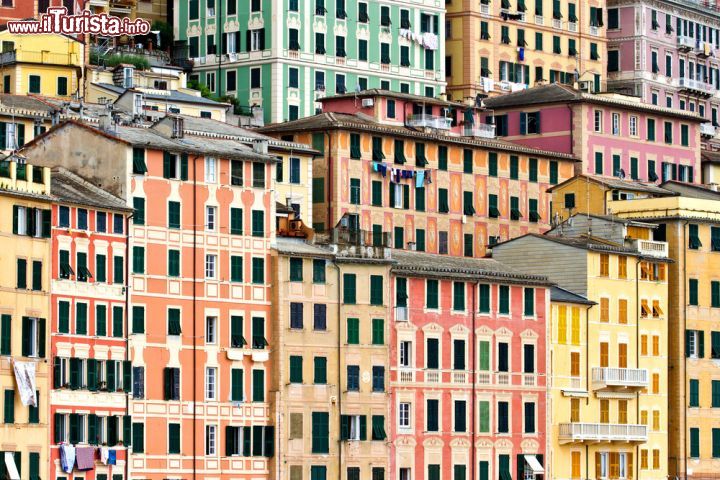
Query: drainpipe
{"x": 685, "y": 379}
{"x": 330, "y": 205}
{"x": 587, "y": 381}
{"x": 636, "y": 463}
{"x": 476, "y": 288}
{"x": 339, "y": 371}
{"x": 127, "y": 334}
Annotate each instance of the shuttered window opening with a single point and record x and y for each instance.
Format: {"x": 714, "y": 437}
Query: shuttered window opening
{"x": 174, "y": 322}
{"x": 172, "y": 383}
{"x": 378, "y": 427}
{"x": 258, "y": 385}
{"x": 237, "y": 340}
{"x": 320, "y": 432}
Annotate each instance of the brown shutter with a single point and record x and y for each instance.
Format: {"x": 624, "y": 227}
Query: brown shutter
{"x": 597, "y": 464}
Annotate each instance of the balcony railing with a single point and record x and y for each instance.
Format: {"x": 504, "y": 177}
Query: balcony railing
{"x": 432, "y": 376}
{"x": 482, "y": 130}
{"x": 685, "y": 43}
{"x": 652, "y": 248}
{"x": 459, "y": 377}
{"x": 429, "y": 121}
{"x": 602, "y": 432}
{"x": 406, "y": 375}
{"x": 608, "y": 377}
{"x": 50, "y": 58}
{"x": 502, "y": 378}
{"x": 695, "y": 85}
{"x": 707, "y": 129}
{"x": 529, "y": 379}
{"x": 483, "y": 378}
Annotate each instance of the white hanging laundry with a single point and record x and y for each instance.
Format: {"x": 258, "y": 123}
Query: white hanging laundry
{"x": 25, "y": 378}
{"x": 11, "y": 467}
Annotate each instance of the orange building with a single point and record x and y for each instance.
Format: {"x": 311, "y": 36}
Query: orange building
{"x": 199, "y": 291}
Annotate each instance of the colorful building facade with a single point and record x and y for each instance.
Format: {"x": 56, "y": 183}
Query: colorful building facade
{"x": 676, "y": 61}
{"x": 92, "y": 376}
{"x": 616, "y": 423}
{"x": 198, "y": 259}
{"x": 333, "y": 400}
{"x": 422, "y": 177}
{"x": 25, "y": 316}
{"x": 41, "y": 65}
{"x": 496, "y": 48}
{"x": 614, "y": 135}
{"x": 690, "y": 223}
{"x": 467, "y": 377}
{"x": 282, "y": 55}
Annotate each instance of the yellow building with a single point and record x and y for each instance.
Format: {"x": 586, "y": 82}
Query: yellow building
{"x": 608, "y": 411}
{"x": 690, "y": 223}
{"x": 24, "y": 313}
{"x": 47, "y": 65}
{"x": 331, "y": 305}
{"x": 499, "y": 47}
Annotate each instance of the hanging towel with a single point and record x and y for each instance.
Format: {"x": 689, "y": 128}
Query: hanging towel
{"x": 85, "y": 458}
{"x": 67, "y": 458}
{"x": 25, "y": 378}
{"x": 104, "y": 455}
{"x": 111, "y": 457}
{"x": 375, "y": 167}
{"x": 419, "y": 179}
{"x": 427, "y": 176}
{"x": 383, "y": 169}
{"x": 10, "y": 466}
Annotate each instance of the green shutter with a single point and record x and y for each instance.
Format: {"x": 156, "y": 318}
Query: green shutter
{"x": 258, "y": 385}
{"x": 431, "y": 299}
{"x": 529, "y": 298}
{"x": 138, "y": 323}
{"x": 138, "y": 260}
{"x": 173, "y": 214}
{"x": 34, "y": 460}
{"x": 318, "y": 270}
{"x": 236, "y": 393}
{"x": 296, "y": 269}
{"x": 258, "y": 223}
{"x": 378, "y": 331}
{"x": 100, "y": 320}
{"x": 376, "y": 290}
{"x": 349, "y": 288}
{"x": 139, "y": 215}
{"x": 320, "y": 432}
{"x": 236, "y": 268}
{"x": 236, "y": 221}
{"x": 320, "y": 370}
{"x": 693, "y": 294}
{"x": 258, "y": 270}
{"x": 9, "y": 406}
{"x": 184, "y": 166}
{"x": 458, "y": 296}
{"x": 173, "y": 438}
{"x": 118, "y": 267}
{"x": 442, "y": 157}
{"x": 353, "y": 331}
{"x": 36, "y": 276}
{"x": 81, "y": 319}
{"x": 694, "y": 443}
{"x": 484, "y": 355}
{"x": 5, "y": 334}
{"x": 127, "y": 430}
{"x": 21, "y": 273}
{"x": 484, "y": 300}
{"x": 296, "y": 363}
{"x": 63, "y": 317}
{"x": 173, "y": 263}
{"x": 101, "y": 268}
{"x": 118, "y": 329}
{"x": 504, "y": 307}
{"x": 138, "y": 437}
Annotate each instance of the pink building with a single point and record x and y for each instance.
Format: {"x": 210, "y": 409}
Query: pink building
{"x": 91, "y": 369}
{"x": 614, "y": 135}
{"x": 468, "y": 378}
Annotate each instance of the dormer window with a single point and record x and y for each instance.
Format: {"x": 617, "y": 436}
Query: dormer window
{"x": 138, "y": 102}
{"x": 128, "y": 74}
{"x": 178, "y": 128}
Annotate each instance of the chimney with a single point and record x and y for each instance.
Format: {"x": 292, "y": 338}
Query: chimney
{"x": 260, "y": 145}
{"x": 105, "y": 121}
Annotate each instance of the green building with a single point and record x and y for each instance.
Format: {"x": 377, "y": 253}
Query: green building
{"x": 284, "y": 54}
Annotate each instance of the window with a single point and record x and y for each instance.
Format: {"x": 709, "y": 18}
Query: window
{"x": 210, "y": 383}
{"x": 174, "y": 321}
{"x": 353, "y": 380}
{"x": 504, "y": 300}
{"x": 529, "y": 297}
{"x": 210, "y": 266}
{"x": 378, "y": 331}
{"x": 34, "y": 84}
{"x": 172, "y": 383}
{"x": 349, "y": 280}
{"x": 404, "y": 415}
{"x": 503, "y": 420}
{"x": 404, "y": 353}
{"x": 33, "y": 337}
{"x": 694, "y": 443}
{"x": 693, "y": 237}
{"x": 320, "y": 370}
{"x": 258, "y": 333}
{"x": 210, "y": 330}
{"x": 353, "y": 331}
{"x": 529, "y": 417}
{"x": 458, "y": 296}
{"x": 460, "y": 417}
{"x": 320, "y": 434}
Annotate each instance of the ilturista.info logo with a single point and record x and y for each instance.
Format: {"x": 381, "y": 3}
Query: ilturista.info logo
{"x": 57, "y": 20}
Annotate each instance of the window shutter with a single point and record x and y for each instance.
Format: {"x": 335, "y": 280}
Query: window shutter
{"x": 269, "y": 446}
{"x": 257, "y": 444}
{"x": 258, "y": 386}
{"x": 484, "y": 355}
{"x": 92, "y": 374}
{"x": 138, "y": 437}
{"x": 184, "y": 167}
{"x": 247, "y": 441}
{"x": 363, "y": 427}
{"x": 118, "y": 329}
{"x": 74, "y": 428}
{"x": 688, "y": 335}
{"x": 176, "y": 383}
{"x": 237, "y": 385}
{"x": 230, "y": 445}
{"x": 174, "y": 438}
{"x": 344, "y": 427}
{"x": 701, "y": 344}
{"x": 46, "y": 223}
{"x": 167, "y": 158}
{"x": 110, "y": 374}
{"x": 57, "y": 369}
{"x": 5, "y": 334}
{"x": 59, "y": 418}
{"x": 523, "y": 123}
{"x": 127, "y": 376}
{"x": 432, "y": 353}
{"x": 26, "y": 336}
{"x": 127, "y": 430}
{"x": 92, "y": 429}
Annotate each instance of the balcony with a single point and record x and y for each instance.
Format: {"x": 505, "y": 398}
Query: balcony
{"x": 406, "y": 375}
{"x": 48, "y": 58}
{"x": 502, "y": 378}
{"x": 480, "y": 131}
{"x": 707, "y": 130}
{"x": 703, "y": 49}
{"x": 685, "y": 43}
{"x": 611, "y": 378}
{"x": 692, "y": 86}
{"x": 432, "y": 376}
{"x": 602, "y": 432}
{"x": 459, "y": 377}
{"x": 651, "y": 248}
{"x": 429, "y": 121}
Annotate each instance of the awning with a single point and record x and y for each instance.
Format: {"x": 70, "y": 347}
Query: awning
{"x": 12, "y": 470}
{"x": 533, "y": 462}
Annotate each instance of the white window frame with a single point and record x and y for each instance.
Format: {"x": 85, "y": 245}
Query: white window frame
{"x": 211, "y": 323}
{"x": 405, "y": 473}
{"x": 212, "y": 85}
{"x": 597, "y": 116}
{"x": 210, "y": 170}
{"x": 230, "y": 42}
{"x": 254, "y": 40}
{"x": 693, "y": 344}
{"x": 397, "y": 200}
{"x": 128, "y": 77}
{"x": 64, "y": 430}
{"x": 211, "y": 383}
{"x": 354, "y": 433}
{"x": 615, "y": 123}
{"x": 633, "y": 125}
{"x": 603, "y": 465}
{"x": 210, "y": 266}
{"x": 211, "y": 218}
{"x": 22, "y": 221}
{"x": 35, "y": 337}
{"x": 622, "y": 465}
{"x": 211, "y": 440}
{"x": 405, "y": 354}
{"x": 175, "y": 167}
{"x": 404, "y": 409}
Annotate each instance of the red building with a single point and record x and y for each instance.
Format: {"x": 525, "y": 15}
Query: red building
{"x": 23, "y": 9}
{"x": 468, "y": 378}
{"x": 91, "y": 369}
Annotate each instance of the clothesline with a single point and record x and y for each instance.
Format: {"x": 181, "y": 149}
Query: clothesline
{"x": 84, "y": 457}
{"x": 397, "y": 174}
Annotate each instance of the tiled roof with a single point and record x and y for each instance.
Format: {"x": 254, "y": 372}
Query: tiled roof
{"x": 561, "y": 295}
{"x": 24, "y": 103}
{"x": 558, "y": 93}
{"x": 710, "y": 156}
{"x": 617, "y": 183}
{"x": 171, "y": 96}
{"x": 692, "y": 190}
{"x": 328, "y": 120}
{"x": 296, "y": 246}
{"x": 209, "y": 127}
{"x": 428, "y": 264}
{"x": 68, "y": 187}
